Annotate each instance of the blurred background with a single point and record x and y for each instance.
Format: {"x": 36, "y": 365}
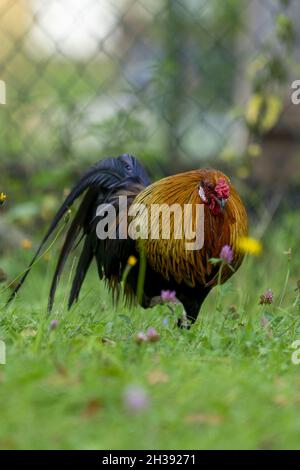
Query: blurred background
{"x": 179, "y": 83}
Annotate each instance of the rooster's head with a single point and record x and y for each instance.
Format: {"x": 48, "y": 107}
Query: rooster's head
{"x": 214, "y": 193}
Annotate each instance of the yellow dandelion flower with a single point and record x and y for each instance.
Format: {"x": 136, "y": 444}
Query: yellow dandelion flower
{"x": 26, "y": 244}
{"x": 3, "y": 198}
{"x": 132, "y": 261}
{"x": 250, "y": 245}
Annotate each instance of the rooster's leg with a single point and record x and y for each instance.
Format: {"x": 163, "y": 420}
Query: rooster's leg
{"x": 192, "y": 305}
{"x": 182, "y": 321}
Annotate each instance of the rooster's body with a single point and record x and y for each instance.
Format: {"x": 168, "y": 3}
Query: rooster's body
{"x": 169, "y": 265}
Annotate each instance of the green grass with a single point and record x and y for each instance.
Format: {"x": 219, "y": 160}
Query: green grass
{"x": 227, "y": 383}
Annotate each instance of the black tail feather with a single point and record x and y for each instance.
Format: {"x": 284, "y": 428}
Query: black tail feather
{"x": 78, "y": 223}
{"x": 104, "y": 177}
{"x": 88, "y": 180}
{"x": 83, "y": 265}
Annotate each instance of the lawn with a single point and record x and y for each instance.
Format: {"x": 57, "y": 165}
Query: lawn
{"x": 85, "y": 382}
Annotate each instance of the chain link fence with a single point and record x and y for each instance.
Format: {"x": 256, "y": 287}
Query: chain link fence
{"x": 180, "y": 83}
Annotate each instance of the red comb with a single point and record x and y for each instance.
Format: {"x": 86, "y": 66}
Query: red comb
{"x": 222, "y": 188}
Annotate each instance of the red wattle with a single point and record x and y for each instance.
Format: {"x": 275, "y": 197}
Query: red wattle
{"x": 214, "y": 207}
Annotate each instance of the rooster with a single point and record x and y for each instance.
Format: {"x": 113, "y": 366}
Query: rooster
{"x": 169, "y": 265}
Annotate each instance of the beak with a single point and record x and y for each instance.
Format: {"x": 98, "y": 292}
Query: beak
{"x": 222, "y": 203}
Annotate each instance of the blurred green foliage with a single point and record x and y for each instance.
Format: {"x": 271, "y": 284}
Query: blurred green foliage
{"x": 165, "y": 92}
